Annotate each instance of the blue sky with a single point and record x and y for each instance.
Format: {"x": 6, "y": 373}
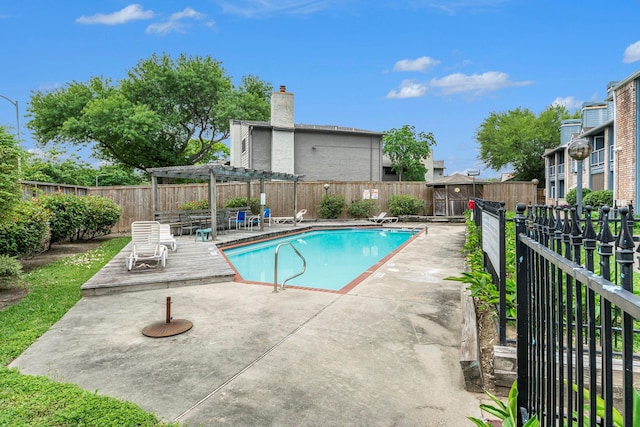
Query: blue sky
{"x": 441, "y": 66}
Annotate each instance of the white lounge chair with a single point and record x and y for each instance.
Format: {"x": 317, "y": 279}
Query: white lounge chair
{"x": 289, "y": 219}
{"x": 145, "y": 246}
{"x": 382, "y": 218}
{"x": 166, "y": 237}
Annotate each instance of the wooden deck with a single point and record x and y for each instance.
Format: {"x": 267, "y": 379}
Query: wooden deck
{"x": 194, "y": 263}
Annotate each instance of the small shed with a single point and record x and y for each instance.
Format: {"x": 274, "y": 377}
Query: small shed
{"x": 451, "y": 194}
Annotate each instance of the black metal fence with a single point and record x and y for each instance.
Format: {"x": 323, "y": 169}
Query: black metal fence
{"x": 572, "y": 368}
{"x": 490, "y": 217}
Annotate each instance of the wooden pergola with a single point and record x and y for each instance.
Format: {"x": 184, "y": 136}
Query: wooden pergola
{"x": 213, "y": 173}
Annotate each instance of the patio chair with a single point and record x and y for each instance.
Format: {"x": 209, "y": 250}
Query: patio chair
{"x": 166, "y": 237}
{"x": 240, "y": 220}
{"x": 382, "y": 218}
{"x": 187, "y": 224}
{"x": 289, "y": 219}
{"x": 145, "y": 246}
{"x": 267, "y": 216}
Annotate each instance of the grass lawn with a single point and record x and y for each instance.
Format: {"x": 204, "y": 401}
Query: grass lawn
{"x": 36, "y": 400}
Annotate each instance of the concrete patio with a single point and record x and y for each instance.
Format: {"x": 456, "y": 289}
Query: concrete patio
{"x": 384, "y": 354}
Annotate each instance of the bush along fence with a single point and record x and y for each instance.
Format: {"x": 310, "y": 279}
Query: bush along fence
{"x": 577, "y": 316}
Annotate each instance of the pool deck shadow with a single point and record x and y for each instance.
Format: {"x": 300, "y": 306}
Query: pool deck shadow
{"x": 385, "y": 353}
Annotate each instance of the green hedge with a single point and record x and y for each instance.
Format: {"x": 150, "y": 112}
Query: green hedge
{"x": 80, "y": 217}
{"x": 241, "y": 202}
{"x": 404, "y": 204}
{"x": 363, "y": 208}
{"x": 26, "y": 230}
{"x": 331, "y": 206}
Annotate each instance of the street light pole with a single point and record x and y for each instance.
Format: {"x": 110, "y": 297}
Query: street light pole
{"x": 579, "y": 149}
{"x": 473, "y": 173}
{"x": 15, "y": 104}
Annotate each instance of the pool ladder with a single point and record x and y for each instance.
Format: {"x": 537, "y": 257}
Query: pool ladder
{"x": 275, "y": 269}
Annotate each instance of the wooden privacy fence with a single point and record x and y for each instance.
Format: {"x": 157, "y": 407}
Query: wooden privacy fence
{"x": 34, "y": 188}
{"x": 512, "y": 193}
{"x": 136, "y": 202}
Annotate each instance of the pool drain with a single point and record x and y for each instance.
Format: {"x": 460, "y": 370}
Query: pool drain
{"x": 169, "y": 327}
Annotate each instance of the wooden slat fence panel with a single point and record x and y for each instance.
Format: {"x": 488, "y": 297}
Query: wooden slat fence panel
{"x": 511, "y": 193}
{"x": 136, "y": 200}
{"x": 34, "y": 188}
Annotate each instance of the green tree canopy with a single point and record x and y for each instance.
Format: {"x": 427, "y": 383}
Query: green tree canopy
{"x": 166, "y": 112}
{"x": 58, "y": 167}
{"x": 518, "y": 138}
{"x": 407, "y": 149}
{"x": 10, "y": 153}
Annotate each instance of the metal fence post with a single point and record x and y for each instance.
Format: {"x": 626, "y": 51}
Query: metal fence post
{"x": 522, "y": 296}
{"x": 605, "y": 250}
{"x": 624, "y": 257}
{"x": 503, "y": 274}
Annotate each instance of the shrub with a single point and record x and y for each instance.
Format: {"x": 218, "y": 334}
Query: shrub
{"x": 331, "y": 206}
{"x": 572, "y": 196}
{"x": 241, "y": 202}
{"x": 80, "y": 217}
{"x": 403, "y": 204}
{"x": 101, "y": 215}
{"x": 365, "y": 208}
{"x": 598, "y": 198}
{"x": 194, "y": 205}
{"x": 27, "y": 230}
{"x": 10, "y": 268}
{"x": 67, "y": 213}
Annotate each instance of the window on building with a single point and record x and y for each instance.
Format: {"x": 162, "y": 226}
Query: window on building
{"x": 560, "y": 162}
{"x": 244, "y": 145}
{"x": 597, "y": 155}
{"x": 560, "y": 189}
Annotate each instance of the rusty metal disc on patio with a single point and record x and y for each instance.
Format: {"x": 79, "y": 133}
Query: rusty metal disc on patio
{"x": 164, "y": 329}
{"x": 169, "y": 327}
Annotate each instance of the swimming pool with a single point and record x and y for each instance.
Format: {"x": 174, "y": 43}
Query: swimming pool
{"x": 334, "y": 257}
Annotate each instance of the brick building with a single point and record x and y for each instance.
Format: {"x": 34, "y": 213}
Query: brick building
{"x": 612, "y": 128}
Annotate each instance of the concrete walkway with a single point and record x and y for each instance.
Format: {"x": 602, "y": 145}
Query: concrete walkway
{"x": 384, "y": 354}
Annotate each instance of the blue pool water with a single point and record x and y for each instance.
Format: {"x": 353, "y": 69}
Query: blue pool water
{"x": 334, "y": 257}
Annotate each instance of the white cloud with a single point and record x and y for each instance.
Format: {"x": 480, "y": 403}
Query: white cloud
{"x": 252, "y": 8}
{"x": 569, "y": 102}
{"x": 419, "y": 64}
{"x": 476, "y": 83}
{"x": 175, "y": 22}
{"x": 408, "y": 89}
{"x": 129, "y": 13}
{"x": 632, "y": 53}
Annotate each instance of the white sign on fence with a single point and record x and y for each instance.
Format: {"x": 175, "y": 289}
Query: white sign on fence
{"x": 491, "y": 239}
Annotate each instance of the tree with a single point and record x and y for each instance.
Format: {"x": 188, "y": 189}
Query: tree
{"x": 164, "y": 113}
{"x": 407, "y": 149}
{"x": 518, "y": 138}
{"x": 58, "y": 167}
{"x": 10, "y": 153}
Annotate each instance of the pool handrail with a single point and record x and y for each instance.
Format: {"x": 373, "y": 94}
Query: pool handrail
{"x": 275, "y": 269}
